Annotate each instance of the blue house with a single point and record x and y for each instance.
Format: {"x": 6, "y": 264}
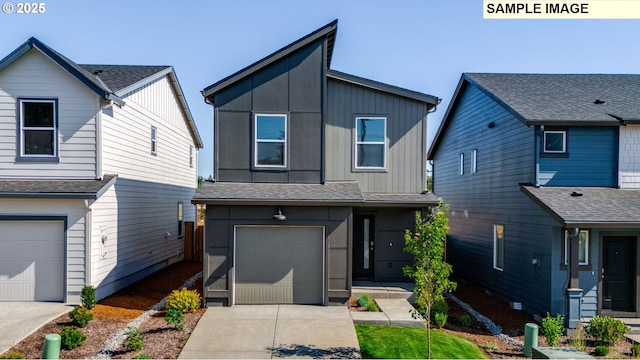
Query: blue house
{"x": 542, "y": 173}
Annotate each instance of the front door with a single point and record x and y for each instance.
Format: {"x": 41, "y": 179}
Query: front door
{"x": 618, "y": 273}
{"x": 363, "y": 246}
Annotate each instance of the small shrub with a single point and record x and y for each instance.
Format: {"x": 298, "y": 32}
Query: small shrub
{"x": 81, "y": 316}
{"x": 363, "y": 300}
{"x": 578, "y": 341}
{"x": 439, "y": 320}
{"x": 553, "y": 328}
{"x": 71, "y": 337}
{"x": 12, "y": 355}
{"x": 465, "y": 320}
{"x": 134, "y": 339}
{"x": 88, "y": 296}
{"x": 635, "y": 350}
{"x": 606, "y": 330}
{"x": 490, "y": 346}
{"x": 439, "y": 306}
{"x": 184, "y": 300}
{"x": 601, "y": 350}
{"x": 175, "y": 317}
{"x": 142, "y": 356}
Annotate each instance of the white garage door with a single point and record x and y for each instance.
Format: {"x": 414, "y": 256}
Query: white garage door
{"x": 279, "y": 265}
{"x": 31, "y": 260}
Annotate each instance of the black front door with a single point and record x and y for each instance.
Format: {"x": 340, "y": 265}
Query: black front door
{"x": 363, "y": 246}
{"x": 618, "y": 273}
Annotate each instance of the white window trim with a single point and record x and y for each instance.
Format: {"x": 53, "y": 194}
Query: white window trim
{"x": 564, "y": 141}
{"x": 461, "y": 165}
{"x": 495, "y": 247}
{"x": 383, "y": 143}
{"x": 283, "y": 141}
{"x": 586, "y": 248}
{"x": 154, "y": 140}
{"x": 54, "y": 128}
{"x": 474, "y": 161}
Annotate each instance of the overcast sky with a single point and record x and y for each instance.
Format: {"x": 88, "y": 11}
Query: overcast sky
{"x": 422, "y": 45}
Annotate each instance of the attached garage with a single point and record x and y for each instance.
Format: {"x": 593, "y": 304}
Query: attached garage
{"x": 32, "y": 260}
{"x": 279, "y": 265}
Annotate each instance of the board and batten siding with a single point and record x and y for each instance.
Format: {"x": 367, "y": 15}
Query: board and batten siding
{"x": 406, "y": 138}
{"x": 36, "y": 76}
{"x": 76, "y": 214}
{"x": 492, "y": 195}
{"x": 141, "y": 223}
{"x": 592, "y": 159}
{"x": 629, "y": 157}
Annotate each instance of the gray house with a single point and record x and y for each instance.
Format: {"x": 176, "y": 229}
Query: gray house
{"x": 317, "y": 175}
{"x": 543, "y": 175}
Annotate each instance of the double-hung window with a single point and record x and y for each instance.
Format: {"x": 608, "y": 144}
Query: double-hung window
{"x": 270, "y": 140}
{"x": 38, "y": 128}
{"x": 554, "y": 141}
{"x": 154, "y": 140}
{"x": 370, "y": 144}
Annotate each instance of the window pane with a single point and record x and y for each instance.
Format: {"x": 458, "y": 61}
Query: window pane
{"x": 582, "y": 248}
{"x": 370, "y": 130}
{"x": 270, "y": 127}
{"x": 554, "y": 141}
{"x": 38, "y": 142}
{"x": 499, "y": 246}
{"x": 270, "y": 153}
{"x": 371, "y": 155}
{"x": 38, "y": 114}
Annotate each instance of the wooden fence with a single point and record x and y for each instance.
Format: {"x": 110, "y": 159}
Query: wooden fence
{"x": 193, "y": 242}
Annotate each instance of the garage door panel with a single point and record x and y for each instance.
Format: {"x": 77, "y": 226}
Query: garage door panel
{"x": 31, "y": 260}
{"x": 279, "y": 265}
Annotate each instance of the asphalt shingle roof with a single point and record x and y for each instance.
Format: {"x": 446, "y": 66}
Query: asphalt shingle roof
{"x": 595, "y": 205}
{"x": 565, "y": 98}
{"x": 75, "y": 189}
{"x": 118, "y": 77}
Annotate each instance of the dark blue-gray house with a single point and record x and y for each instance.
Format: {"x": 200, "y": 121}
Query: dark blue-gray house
{"x": 317, "y": 175}
{"x": 542, "y": 173}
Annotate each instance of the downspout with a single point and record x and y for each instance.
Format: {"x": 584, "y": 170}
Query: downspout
{"x": 88, "y": 231}
{"x": 537, "y": 134}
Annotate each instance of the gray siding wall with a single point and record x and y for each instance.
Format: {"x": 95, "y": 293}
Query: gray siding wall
{"x": 219, "y": 244}
{"x": 291, "y": 86}
{"x": 406, "y": 138}
{"x": 505, "y": 158}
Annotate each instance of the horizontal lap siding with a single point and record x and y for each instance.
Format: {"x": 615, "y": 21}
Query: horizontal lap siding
{"x": 35, "y": 76}
{"x": 491, "y": 196}
{"x": 405, "y": 138}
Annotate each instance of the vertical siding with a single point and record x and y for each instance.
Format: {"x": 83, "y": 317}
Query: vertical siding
{"x": 492, "y": 196}
{"x": 137, "y": 216}
{"x": 629, "y": 157}
{"x": 75, "y": 212}
{"x": 405, "y": 138}
{"x": 592, "y": 159}
{"x": 34, "y": 75}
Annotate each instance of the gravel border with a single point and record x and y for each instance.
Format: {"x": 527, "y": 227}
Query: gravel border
{"x": 494, "y": 329}
{"x": 114, "y": 343}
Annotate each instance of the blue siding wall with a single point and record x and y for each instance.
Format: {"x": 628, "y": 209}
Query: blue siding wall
{"x": 592, "y": 159}
{"x": 492, "y": 195}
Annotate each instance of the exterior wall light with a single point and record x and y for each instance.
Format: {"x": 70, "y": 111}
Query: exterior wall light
{"x": 279, "y": 215}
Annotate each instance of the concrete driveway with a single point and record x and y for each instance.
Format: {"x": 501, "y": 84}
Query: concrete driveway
{"x": 273, "y": 331}
{"x": 20, "y": 319}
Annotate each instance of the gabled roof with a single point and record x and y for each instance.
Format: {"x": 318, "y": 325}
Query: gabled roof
{"x": 328, "y": 31}
{"x": 555, "y": 99}
{"x": 110, "y": 82}
{"x": 375, "y": 85}
{"x": 56, "y": 189}
{"x": 588, "y": 206}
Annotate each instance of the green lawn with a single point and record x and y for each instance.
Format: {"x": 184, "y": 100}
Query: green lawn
{"x": 388, "y": 342}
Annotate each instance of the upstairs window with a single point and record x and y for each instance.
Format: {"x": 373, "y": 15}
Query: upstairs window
{"x": 461, "y": 164}
{"x": 38, "y": 128}
{"x": 474, "y": 161}
{"x": 154, "y": 140}
{"x": 371, "y": 135}
{"x": 270, "y": 147}
{"x": 554, "y": 141}
{"x": 190, "y": 156}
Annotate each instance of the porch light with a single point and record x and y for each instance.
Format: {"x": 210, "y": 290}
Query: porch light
{"x": 279, "y": 215}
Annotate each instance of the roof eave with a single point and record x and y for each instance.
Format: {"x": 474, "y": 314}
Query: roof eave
{"x": 327, "y": 30}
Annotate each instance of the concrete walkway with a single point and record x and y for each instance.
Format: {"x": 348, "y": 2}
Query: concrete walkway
{"x": 393, "y": 312}
{"x": 273, "y": 331}
{"x": 20, "y": 319}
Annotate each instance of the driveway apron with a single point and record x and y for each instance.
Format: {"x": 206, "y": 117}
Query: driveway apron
{"x": 273, "y": 331}
{"x": 20, "y": 319}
